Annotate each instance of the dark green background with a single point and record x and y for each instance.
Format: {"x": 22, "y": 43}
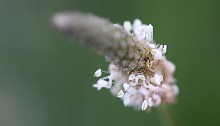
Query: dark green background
{"x": 47, "y": 81}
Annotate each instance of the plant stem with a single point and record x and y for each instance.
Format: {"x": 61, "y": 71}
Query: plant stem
{"x": 168, "y": 116}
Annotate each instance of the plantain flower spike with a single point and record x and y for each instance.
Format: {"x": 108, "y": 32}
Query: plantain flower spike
{"x": 139, "y": 73}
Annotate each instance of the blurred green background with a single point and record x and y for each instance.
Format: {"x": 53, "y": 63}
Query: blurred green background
{"x": 47, "y": 81}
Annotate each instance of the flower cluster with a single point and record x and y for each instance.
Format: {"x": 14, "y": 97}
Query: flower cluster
{"x": 148, "y": 86}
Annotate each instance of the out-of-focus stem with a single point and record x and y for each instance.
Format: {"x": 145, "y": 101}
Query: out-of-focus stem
{"x": 168, "y": 116}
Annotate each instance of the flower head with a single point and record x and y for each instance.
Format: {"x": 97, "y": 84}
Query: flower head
{"x": 150, "y": 82}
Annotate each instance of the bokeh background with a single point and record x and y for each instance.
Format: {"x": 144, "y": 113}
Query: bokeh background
{"x": 47, "y": 81}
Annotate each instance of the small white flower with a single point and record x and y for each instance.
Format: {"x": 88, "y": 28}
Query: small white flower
{"x": 127, "y": 26}
{"x": 139, "y": 77}
{"x": 125, "y": 86}
{"x": 164, "y": 48}
{"x": 157, "y": 79}
{"x": 144, "y": 105}
{"x": 98, "y": 73}
{"x": 120, "y": 94}
{"x": 131, "y": 77}
{"x": 150, "y": 102}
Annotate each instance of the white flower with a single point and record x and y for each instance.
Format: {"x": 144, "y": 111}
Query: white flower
{"x": 157, "y": 79}
{"x": 125, "y": 86}
{"x": 98, "y": 73}
{"x": 120, "y": 94}
{"x": 131, "y": 77}
{"x": 127, "y": 26}
{"x": 144, "y": 105}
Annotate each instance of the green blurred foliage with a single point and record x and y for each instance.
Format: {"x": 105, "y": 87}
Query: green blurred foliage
{"x": 47, "y": 81}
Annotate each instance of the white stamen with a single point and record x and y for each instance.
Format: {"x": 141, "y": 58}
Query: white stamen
{"x": 98, "y": 73}
{"x": 164, "y": 48}
{"x": 144, "y": 105}
{"x": 127, "y": 26}
{"x": 120, "y": 94}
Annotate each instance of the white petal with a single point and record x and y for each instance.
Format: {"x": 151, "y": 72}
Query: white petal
{"x": 150, "y": 102}
{"x": 144, "y": 105}
{"x": 131, "y": 77}
{"x": 127, "y": 26}
{"x": 98, "y": 73}
{"x": 120, "y": 94}
{"x": 125, "y": 86}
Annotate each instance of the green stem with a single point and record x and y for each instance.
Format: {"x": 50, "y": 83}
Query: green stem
{"x": 168, "y": 116}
